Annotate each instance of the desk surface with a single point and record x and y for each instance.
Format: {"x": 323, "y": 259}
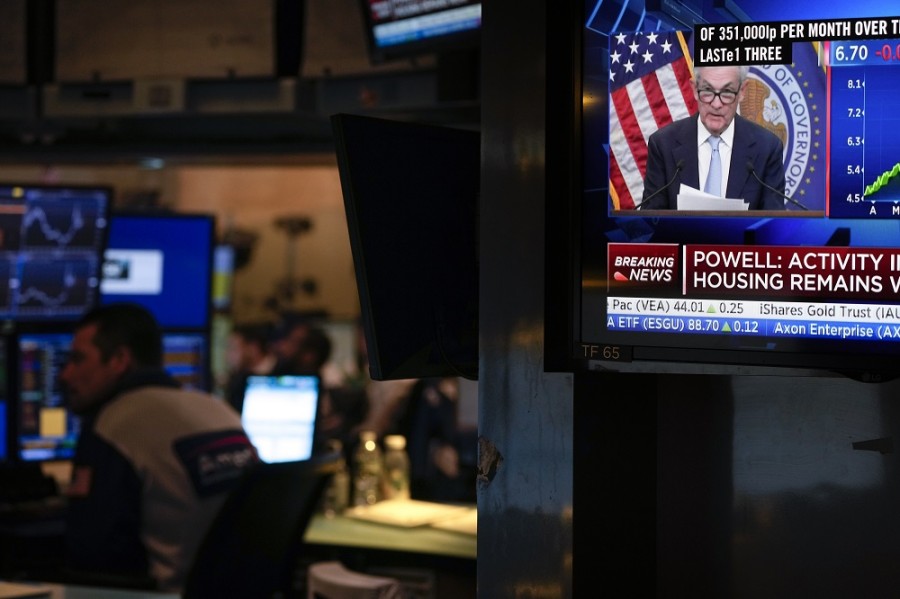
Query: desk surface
{"x": 67, "y": 591}
{"x": 349, "y": 532}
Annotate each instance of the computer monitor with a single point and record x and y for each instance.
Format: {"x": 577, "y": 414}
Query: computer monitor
{"x": 163, "y": 261}
{"x": 47, "y": 429}
{"x": 186, "y": 358}
{"x": 51, "y": 238}
{"x": 279, "y": 415}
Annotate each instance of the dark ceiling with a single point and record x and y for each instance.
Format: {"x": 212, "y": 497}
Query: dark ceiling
{"x": 278, "y": 116}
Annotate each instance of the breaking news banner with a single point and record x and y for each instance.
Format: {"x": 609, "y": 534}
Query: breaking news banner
{"x": 771, "y": 42}
{"x": 754, "y": 272}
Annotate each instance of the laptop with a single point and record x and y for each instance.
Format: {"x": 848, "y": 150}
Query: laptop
{"x": 279, "y": 415}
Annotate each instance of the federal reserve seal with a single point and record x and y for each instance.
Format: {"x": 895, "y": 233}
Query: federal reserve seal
{"x": 789, "y": 100}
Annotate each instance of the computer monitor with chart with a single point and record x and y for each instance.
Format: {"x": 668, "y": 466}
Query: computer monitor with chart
{"x": 51, "y": 238}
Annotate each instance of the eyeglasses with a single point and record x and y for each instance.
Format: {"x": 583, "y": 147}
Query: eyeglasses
{"x": 726, "y": 96}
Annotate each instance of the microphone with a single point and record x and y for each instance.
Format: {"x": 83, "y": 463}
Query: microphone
{"x": 678, "y": 166}
{"x": 769, "y": 187}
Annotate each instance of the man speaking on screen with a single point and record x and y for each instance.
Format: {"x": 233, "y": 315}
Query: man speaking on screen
{"x": 716, "y": 150}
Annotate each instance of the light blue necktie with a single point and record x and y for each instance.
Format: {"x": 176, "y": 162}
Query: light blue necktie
{"x": 714, "y": 180}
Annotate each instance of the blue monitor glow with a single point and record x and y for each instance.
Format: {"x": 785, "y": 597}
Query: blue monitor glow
{"x": 403, "y": 29}
{"x": 51, "y": 239}
{"x": 802, "y": 291}
{"x": 163, "y": 261}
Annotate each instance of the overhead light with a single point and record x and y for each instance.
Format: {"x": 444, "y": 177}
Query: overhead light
{"x": 152, "y": 164}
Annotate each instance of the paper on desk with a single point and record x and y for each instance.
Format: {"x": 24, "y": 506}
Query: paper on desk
{"x": 690, "y": 198}
{"x": 465, "y": 523}
{"x": 405, "y": 512}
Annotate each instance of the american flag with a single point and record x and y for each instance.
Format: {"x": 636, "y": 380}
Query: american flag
{"x": 649, "y": 87}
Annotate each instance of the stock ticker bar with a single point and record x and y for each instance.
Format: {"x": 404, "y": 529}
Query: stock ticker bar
{"x": 771, "y": 42}
{"x": 754, "y": 318}
{"x": 716, "y": 289}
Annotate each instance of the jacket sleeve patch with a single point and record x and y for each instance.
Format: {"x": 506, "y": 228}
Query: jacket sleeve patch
{"x": 216, "y": 460}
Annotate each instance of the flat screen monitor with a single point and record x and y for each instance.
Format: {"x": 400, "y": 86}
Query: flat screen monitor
{"x": 411, "y": 196}
{"x": 715, "y": 285}
{"x": 279, "y": 415}
{"x": 224, "y": 257}
{"x": 51, "y": 239}
{"x": 404, "y": 29}
{"x": 163, "y": 261}
{"x": 47, "y": 430}
{"x": 186, "y": 358}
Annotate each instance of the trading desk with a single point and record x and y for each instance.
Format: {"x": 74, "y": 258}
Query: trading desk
{"x": 442, "y": 559}
{"x": 442, "y": 563}
{"x": 342, "y": 531}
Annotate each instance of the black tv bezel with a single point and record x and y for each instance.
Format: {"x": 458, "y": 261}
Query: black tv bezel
{"x": 450, "y": 350}
{"x": 565, "y": 348}
{"x": 458, "y": 40}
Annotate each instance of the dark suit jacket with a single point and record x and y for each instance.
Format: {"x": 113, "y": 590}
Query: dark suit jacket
{"x": 678, "y": 142}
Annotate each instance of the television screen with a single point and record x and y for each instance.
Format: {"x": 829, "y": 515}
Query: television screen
{"x": 808, "y": 283}
{"x": 163, "y": 261}
{"x": 411, "y": 197}
{"x": 401, "y": 29}
{"x": 50, "y": 244}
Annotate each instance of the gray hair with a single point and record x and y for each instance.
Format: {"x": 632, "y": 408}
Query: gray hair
{"x": 743, "y": 71}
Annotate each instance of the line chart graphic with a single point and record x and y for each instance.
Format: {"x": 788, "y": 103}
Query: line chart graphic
{"x": 60, "y": 224}
{"x": 882, "y": 180}
{"x": 51, "y": 248}
{"x": 865, "y": 129}
{"x": 57, "y": 285}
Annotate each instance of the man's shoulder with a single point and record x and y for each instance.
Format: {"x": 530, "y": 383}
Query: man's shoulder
{"x": 173, "y": 407}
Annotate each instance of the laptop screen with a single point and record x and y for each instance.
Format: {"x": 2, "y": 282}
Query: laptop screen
{"x": 279, "y": 416}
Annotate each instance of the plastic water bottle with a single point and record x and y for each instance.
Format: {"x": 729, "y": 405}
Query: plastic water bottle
{"x": 367, "y": 466}
{"x": 396, "y": 468}
{"x": 337, "y": 494}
